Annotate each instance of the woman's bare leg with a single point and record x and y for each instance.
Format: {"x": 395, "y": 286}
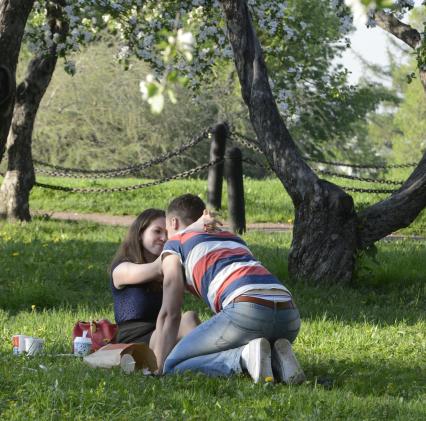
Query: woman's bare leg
{"x": 188, "y": 322}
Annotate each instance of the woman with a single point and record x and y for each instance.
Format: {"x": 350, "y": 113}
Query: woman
{"x": 136, "y": 280}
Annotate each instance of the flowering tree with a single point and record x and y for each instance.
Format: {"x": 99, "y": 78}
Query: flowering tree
{"x": 300, "y": 40}
{"x": 185, "y": 42}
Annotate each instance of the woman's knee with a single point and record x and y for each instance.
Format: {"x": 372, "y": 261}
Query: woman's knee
{"x": 190, "y": 318}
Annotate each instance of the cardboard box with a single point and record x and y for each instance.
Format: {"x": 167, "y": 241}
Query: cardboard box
{"x": 138, "y": 356}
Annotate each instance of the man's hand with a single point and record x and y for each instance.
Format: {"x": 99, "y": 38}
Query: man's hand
{"x": 168, "y": 319}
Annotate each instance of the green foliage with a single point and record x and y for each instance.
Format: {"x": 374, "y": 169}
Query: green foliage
{"x": 400, "y": 131}
{"x": 324, "y": 112}
{"x": 362, "y": 348}
{"x": 96, "y": 119}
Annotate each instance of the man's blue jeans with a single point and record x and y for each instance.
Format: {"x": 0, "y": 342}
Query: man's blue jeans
{"x": 215, "y": 346}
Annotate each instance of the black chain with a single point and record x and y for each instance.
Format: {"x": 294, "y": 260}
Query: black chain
{"x": 184, "y": 174}
{"x": 361, "y": 166}
{"x": 245, "y": 141}
{"x": 253, "y": 145}
{"x": 356, "y": 190}
{"x": 354, "y": 177}
{"x": 80, "y": 174}
{"x": 118, "y": 172}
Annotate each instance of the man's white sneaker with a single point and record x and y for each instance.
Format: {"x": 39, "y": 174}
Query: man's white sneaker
{"x": 285, "y": 364}
{"x": 256, "y": 359}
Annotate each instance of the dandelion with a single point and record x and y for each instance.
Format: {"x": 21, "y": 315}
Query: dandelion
{"x": 269, "y": 379}
{"x": 33, "y": 308}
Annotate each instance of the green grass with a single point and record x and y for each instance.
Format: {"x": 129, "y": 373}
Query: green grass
{"x": 265, "y": 200}
{"x": 363, "y": 347}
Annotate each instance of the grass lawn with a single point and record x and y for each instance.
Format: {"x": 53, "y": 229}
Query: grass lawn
{"x": 363, "y": 347}
{"x": 266, "y": 200}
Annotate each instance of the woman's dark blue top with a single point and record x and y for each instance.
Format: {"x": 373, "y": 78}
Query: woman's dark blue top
{"x": 136, "y": 302}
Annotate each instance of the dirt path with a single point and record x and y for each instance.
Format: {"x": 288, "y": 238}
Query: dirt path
{"x": 126, "y": 220}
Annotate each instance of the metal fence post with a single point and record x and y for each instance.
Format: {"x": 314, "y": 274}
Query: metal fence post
{"x": 215, "y": 177}
{"x": 234, "y": 177}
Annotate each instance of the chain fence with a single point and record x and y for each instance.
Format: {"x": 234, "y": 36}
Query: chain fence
{"x": 183, "y": 174}
{"x": 252, "y": 144}
{"x": 119, "y": 172}
{"x": 333, "y": 174}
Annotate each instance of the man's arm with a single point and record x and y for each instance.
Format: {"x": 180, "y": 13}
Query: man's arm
{"x": 169, "y": 317}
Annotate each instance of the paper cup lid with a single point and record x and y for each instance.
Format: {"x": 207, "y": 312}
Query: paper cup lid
{"x": 81, "y": 339}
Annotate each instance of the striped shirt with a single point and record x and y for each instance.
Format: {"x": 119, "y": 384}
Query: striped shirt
{"x": 219, "y": 267}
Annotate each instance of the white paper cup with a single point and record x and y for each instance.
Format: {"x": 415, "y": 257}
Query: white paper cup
{"x": 33, "y": 346}
{"x": 128, "y": 363}
{"x": 82, "y": 346}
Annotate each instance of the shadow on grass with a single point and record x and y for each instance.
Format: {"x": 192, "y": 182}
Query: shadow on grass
{"x": 55, "y": 273}
{"x": 389, "y": 289}
{"x": 379, "y": 377}
{"x": 71, "y": 273}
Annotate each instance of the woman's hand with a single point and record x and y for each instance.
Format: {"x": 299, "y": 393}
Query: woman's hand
{"x": 207, "y": 222}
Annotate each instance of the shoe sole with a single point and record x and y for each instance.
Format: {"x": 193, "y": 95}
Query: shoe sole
{"x": 285, "y": 363}
{"x": 260, "y": 354}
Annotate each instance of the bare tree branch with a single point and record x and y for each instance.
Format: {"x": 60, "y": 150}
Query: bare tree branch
{"x": 401, "y": 30}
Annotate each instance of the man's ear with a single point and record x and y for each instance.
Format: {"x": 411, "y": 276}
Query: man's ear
{"x": 175, "y": 223}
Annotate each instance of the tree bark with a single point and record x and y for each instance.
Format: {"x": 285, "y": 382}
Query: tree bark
{"x": 20, "y": 178}
{"x": 405, "y": 33}
{"x": 13, "y": 17}
{"x": 398, "y": 211}
{"x": 324, "y": 239}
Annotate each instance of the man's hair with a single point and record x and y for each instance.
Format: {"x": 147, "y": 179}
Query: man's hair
{"x": 188, "y": 208}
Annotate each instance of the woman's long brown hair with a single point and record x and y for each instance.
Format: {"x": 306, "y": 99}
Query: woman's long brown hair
{"x": 131, "y": 249}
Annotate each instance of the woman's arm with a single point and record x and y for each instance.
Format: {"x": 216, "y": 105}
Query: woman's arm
{"x": 128, "y": 273}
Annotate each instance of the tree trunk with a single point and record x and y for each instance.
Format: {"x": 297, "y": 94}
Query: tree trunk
{"x": 13, "y": 17}
{"x": 327, "y": 231}
{"x": 19, "y": 178}
{"x": 397, "y": 211}
{"x": 324, "y": 241}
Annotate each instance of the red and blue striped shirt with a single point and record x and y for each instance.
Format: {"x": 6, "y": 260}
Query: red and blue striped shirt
{"x": 219, "y": 267}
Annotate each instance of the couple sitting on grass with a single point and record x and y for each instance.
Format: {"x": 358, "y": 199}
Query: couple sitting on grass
{"x": 255, "y": 318}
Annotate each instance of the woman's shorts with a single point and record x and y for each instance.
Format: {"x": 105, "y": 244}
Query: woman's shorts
{"x": 135, "y": 332}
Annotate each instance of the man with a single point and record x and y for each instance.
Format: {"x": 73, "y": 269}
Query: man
{"x": 253, "y": 309}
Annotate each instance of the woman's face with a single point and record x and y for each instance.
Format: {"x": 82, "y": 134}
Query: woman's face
{"x": 153, "y": 239}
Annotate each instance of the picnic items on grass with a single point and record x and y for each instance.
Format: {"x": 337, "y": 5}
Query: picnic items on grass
{"x": 129, "y": 356}
{"x": 101, "y": 332}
